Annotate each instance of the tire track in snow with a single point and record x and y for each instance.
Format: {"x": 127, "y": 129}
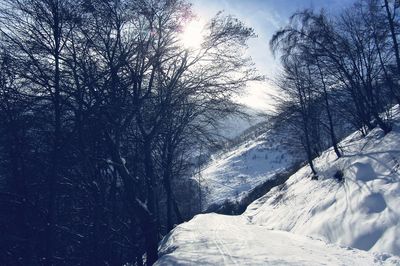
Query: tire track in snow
{"x": 222, "y": 247}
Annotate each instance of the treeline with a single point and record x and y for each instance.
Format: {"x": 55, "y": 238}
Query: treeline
{"x": 102, "y": 112}
{"x": 338, "y": 72}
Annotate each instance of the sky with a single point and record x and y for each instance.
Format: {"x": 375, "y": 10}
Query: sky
{"x": 265, "y": 17}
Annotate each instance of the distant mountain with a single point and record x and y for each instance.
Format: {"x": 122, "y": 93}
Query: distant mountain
{"x": 231, "y": 175}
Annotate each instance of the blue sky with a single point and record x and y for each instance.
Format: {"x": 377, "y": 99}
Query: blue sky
{"x": 265, "y": 17}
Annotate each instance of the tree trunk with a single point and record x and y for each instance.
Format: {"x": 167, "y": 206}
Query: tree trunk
{"x": 308, "y": 151}
{"x": 150, "y": 230}
{"x": 172, "y": 206}
{"x": 18, "y": 185}
{"x": 328, "y": 112}
{"x": 384, "y": 126}
{"x": 140, "y": 211}
{"x": 393, "y": 34}
{"x": 53, "y": 176}
{"x": 170, "y": 223}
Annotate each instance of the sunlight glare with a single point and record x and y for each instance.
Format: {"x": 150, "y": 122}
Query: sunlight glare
{"x": 192, "y": 35}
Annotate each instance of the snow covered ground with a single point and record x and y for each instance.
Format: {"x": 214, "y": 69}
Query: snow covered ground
{"x": 363, "y": 212}
{"x": 304, "y": 221}
{"x": 231, "y": 175}
{"x": 213, "y": 239}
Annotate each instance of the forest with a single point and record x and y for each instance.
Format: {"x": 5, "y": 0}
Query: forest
{"x": 105, "y": 115}
{"x": 339, "y": 74}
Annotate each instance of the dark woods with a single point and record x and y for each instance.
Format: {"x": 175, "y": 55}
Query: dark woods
{"x": 338, "y": 72}
{"x": 102, "y": 113}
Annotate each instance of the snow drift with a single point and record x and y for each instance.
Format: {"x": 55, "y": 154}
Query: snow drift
{"x": 362, "y": 212}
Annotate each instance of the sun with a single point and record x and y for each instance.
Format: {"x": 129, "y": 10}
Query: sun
{"x": 192, "y": 34}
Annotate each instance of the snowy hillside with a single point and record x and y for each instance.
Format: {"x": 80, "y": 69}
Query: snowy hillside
{"x": 320, "y": 217}
{"x": 363, "y": 212}
{"x": 231, "y": 175}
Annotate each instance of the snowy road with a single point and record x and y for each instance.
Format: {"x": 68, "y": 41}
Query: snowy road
{"x": 362, "y": 212}
{"x": 213, "y": 239}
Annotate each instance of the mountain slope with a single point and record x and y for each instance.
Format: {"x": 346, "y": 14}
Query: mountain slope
{"x": 231, "y": 175}
{"x": 361, "y": 212}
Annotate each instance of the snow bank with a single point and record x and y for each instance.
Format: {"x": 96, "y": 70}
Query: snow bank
{"x": 362, "y": 212}
{"x": 213, "y": 239}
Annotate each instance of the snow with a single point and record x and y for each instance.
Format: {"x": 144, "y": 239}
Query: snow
{"x": 363, "y": 212}
{"x": 304, "y": 221}
{"x": 231, "y": 175}
{"x": 213, "y": 239}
